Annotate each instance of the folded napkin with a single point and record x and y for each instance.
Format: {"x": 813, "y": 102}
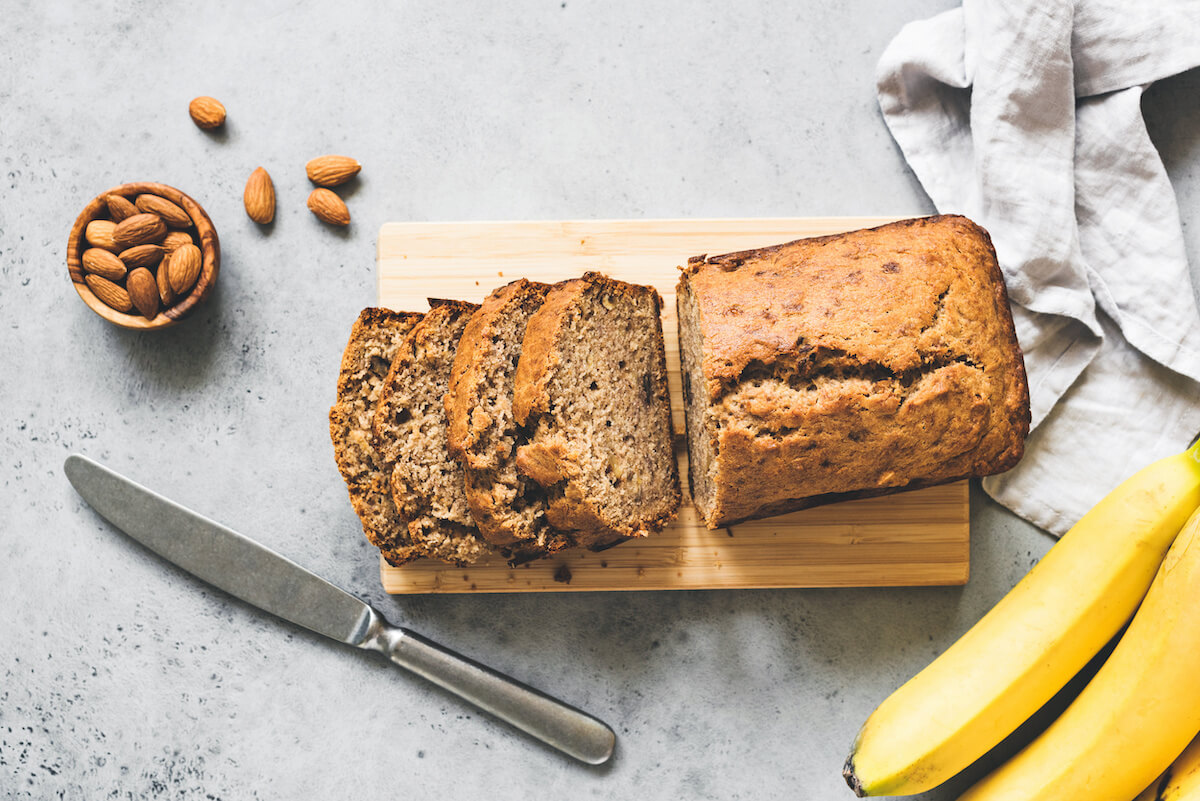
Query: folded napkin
{"x": 1026, "y": 117}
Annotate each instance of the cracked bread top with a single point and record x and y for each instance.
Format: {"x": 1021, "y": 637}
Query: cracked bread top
{"x": 374, "y": 339}
{"x": 860, "y": 362}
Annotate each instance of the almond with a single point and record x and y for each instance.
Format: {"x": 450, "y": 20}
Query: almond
{"x": 143, "y": 292}
{"x": 141, "y": 256}
{"x": 99, "y": 233}
{"x": 119, "y": 207}
{"x": 174, "y": 240}
{"x": 184, "y": 268}
{"x": 140, "y": 229}
{"x": 101, "y": 262}
{"x": 172, "y": 214}
{"x": 332, "y": 170}
{"x": 207, "y": 112}
{"x": 109, "y": 293}
{"x": 259, "y": 197}
{"x": 328, "y": 207}
{"x": 165, "y": 292}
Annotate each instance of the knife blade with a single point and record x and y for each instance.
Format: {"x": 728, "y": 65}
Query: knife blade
{"x": 259, "y": 576}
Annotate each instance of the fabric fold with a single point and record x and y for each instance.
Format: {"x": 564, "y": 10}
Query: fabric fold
{"x": 1026, "y": 117}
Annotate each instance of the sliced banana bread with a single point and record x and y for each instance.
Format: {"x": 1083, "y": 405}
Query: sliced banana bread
{"x": 848, "y": 365}
{"x": 591, "y": 388}
{"x": 374, "y": 339}
{"x": 410, "y": 435}
{"x": 509, "y": 508}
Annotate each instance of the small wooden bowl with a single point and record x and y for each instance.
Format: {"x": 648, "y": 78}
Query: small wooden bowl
{"x": 210, "y": 249}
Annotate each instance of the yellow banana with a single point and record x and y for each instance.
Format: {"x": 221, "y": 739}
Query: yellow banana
{"x": 1136, "y": 714}
{"x": 1181, "y": 781}
{"x": 1032, "y": 642}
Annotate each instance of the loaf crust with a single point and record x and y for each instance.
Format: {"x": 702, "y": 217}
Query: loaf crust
{"x": 374, "y": 339}
{"x": 848, "y": 365}
{"x": 509, "y": 508}
{"x": 563, "y": 461}
{"x": 427, "y": 485}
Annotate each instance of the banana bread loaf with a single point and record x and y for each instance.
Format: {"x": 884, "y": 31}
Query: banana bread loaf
{"x": 848, "y": 365}
{"x": 374, "y": 339}
{"x": 410, "y": 437}
{"x": 591, "y": 388}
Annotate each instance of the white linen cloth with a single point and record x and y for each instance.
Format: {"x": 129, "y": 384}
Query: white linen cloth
{"x": 1026, "y": 117}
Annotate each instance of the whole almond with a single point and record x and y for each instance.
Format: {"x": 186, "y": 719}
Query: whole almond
{"x": 328, "y": 207}
{"x": 174, "y": 240}
{"x": 139, "y": 229}
{"x": 141, "y": 256}
{"x": 184, "y": 268}
{"x": 207, "y": 112}
{"x": 103, "y": 263}
{"x": 172, "y": 214}
{"x": 119, "y": 207}
{"x": 99, "y": 233}
{"x": 332, "y": 170}
{"x": 109, "y": 293}
{"x": 259, "y": 197}
{"x": 162, "y": 278}
{"x": 143, "y": 292}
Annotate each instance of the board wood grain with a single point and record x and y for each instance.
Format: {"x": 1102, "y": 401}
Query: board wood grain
{"x": 908, "y": 539}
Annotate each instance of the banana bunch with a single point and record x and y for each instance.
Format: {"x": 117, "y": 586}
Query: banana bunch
{"x": 1135, "y": 715}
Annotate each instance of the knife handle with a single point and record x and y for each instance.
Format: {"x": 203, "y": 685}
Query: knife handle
{"x": 553, "y": 722}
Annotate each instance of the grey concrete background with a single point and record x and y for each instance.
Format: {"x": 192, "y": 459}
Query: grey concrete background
{"x": 122, "y": 677}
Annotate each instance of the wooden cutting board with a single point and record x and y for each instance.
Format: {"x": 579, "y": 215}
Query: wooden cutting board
{"x": 914, "y": 538}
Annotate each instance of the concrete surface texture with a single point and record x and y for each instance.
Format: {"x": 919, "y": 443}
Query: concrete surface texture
{"x": 123, "y": 677}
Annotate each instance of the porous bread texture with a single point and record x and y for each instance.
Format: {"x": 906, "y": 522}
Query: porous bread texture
{"x": 374, "y": 339}
{"x": 509, "y": 508}
{"x": 848, "y": 365}
{"x": 410, "y": 433}
{"x": 591, "y": 388}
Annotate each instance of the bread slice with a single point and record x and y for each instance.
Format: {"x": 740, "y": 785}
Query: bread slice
{"x": 591, "y": 388}
{"x": 846, "y": 366}
{"x": 374, "y": 339}
{"x": 410, "y": 434}
{"x": 508, "y": 507}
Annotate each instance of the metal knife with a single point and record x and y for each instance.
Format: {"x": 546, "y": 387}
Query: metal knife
{"x": 259, "y": 576}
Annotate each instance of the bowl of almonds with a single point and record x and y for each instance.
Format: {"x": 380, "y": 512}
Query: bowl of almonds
{"x": 143, "y": 255}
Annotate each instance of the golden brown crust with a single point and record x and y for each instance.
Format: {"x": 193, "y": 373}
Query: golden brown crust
{"x": 538, "y": 353}
{"x": 374, "y": 338}
{"x": 863, "y": 362}
{"x": 466, "y": 379}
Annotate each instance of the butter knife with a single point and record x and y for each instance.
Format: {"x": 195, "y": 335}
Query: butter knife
{"x": 260, "y": 577}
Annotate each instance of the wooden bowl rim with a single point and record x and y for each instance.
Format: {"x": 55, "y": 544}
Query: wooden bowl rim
{"x": 210, "y": 250}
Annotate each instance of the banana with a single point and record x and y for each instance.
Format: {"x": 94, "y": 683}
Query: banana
{"x": 1181, "y": 781}
{"x": 1136, "y": 714}
{"x": 1032, "y": 642}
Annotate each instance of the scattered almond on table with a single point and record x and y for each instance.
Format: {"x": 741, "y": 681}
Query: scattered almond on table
{"x": 259, "y": 197}
{"x": 207, "y": 112}
{"x": 328, "y": 207}
{"x": 332, "y": 170}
